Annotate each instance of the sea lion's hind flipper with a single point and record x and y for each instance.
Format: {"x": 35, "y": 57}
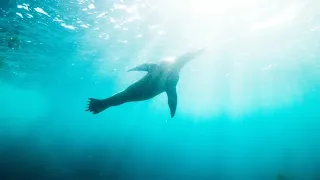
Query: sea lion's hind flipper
{"x": 143, "y": 67}
{"x": 172, "y": 100}
{"x": 96, "y": 106}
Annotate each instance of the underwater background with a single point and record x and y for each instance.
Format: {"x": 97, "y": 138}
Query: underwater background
{"x": 247, "y": 108}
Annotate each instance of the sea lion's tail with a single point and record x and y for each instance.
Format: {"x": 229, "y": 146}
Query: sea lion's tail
{"x": 96, "y": 106}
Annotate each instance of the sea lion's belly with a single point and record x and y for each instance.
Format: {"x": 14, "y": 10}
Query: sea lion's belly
{"x": 146, "y": 88}
{"x": 152, "y": 84}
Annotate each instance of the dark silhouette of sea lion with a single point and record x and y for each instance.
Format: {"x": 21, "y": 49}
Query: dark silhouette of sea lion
{"x": 161, "y": 77}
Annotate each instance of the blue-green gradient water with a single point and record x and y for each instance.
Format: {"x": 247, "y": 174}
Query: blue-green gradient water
{"x": 247, "y": 108}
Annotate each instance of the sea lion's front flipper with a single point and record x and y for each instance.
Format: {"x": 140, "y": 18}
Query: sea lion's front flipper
{"x": 144, "y": 67}
{"x": 172, "y": 100}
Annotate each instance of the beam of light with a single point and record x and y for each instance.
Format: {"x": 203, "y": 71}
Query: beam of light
{"x": 289, "y": 14}
{"x": 231, "y": 75}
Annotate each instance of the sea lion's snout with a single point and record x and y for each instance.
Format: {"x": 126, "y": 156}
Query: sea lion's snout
{"x": 199, "y": 51}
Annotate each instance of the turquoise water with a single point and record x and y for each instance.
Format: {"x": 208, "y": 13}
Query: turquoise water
{"x": 247, "y": 108}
